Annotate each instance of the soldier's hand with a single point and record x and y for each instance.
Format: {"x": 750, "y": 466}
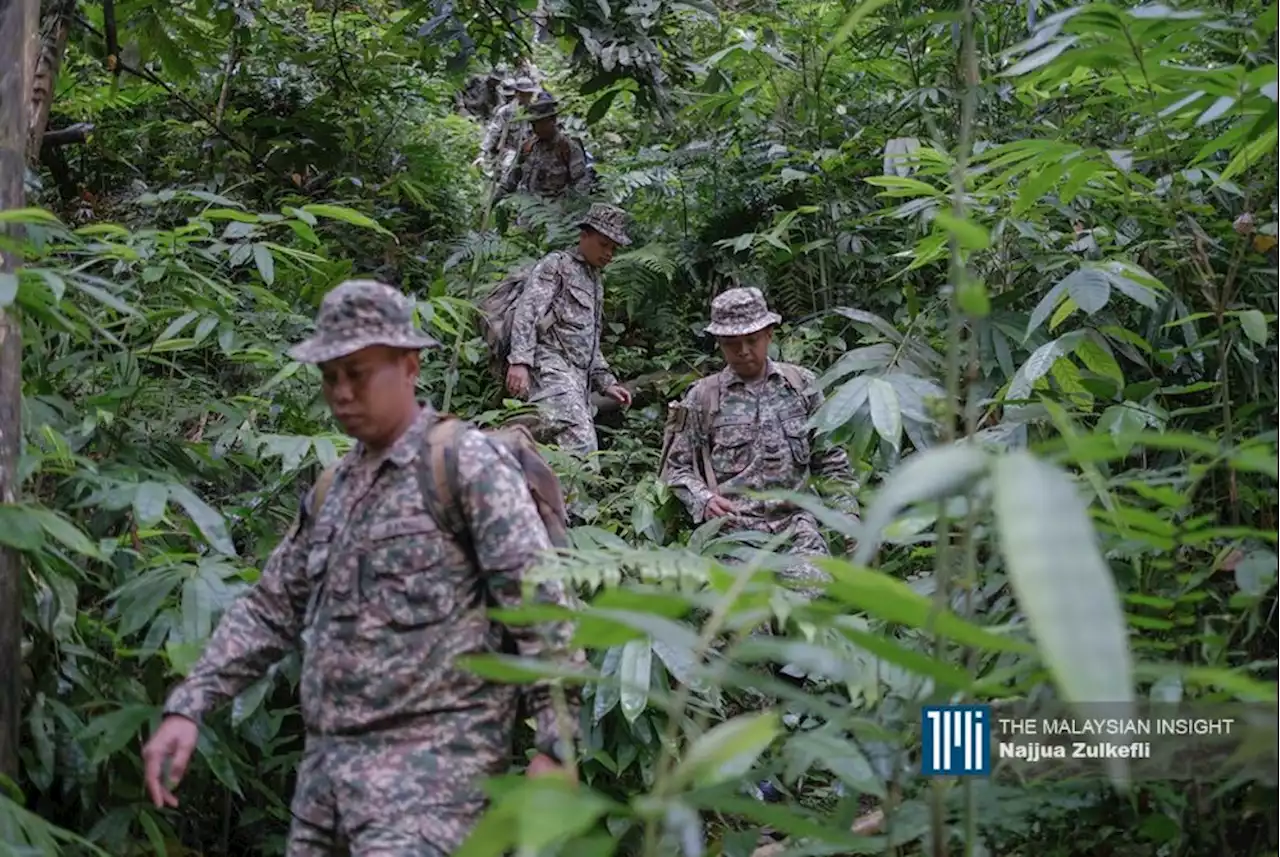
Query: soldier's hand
{"x": 619, "y": 393}
{"x": 518, "y": 380}
{"x": 543, "y": 765}
{"x": 173, "y": 743}
{"x": 719, "y": 506}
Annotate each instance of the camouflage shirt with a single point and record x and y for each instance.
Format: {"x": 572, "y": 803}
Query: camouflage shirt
{"x": 759, "y": 441}
{"x": 504, "y": 134}
{"x": 548, "y": 168}
{"x": 381, "y": 601}
{"x": 559, "y": 317}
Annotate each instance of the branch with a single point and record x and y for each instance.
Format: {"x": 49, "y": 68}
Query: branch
{"x": 76, "y": 133}
{"x": 151, "y": 77}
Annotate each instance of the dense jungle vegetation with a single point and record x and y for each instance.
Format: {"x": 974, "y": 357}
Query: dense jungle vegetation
{"x": 1030, "y": 245}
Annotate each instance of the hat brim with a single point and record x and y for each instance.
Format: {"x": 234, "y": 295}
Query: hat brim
{"x": 617, "y": 236}
{"x": 321, "y": 349}
{"x": 745, "y": 329}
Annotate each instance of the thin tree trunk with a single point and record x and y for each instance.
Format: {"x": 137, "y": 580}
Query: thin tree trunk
{"x": 55, "y": 25}
{"x": 18, "y": 19}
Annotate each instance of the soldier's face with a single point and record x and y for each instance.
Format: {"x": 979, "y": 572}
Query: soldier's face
{"x": 545, "y": 128}
{"x": 596, "y": 248}
{"x": 746, "y": 355}
{"x": 371, "y": 391}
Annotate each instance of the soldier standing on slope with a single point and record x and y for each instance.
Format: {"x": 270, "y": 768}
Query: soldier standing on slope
{"x": 382, "y": 598}
{"x": 506, "y": 133}
{"x": 754, "y": 437}
{"x": 548, "y": 163}
{"x": 555, "y": 354}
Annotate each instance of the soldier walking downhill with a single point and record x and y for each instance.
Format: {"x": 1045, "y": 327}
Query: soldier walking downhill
{"x": 744, "y": 429}
{"x": 506, "y": 133}
{"x": 555, "y": 356}
{"x": 382, "y": 597}
{"x": 548, "y": 163}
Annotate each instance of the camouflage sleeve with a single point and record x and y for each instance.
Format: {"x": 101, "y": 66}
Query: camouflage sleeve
{"x": 258, "y": 629}
{"x": 508, "y": 535}
{"x": 681, "y": 472}
{"x": 492, "y": 134}
{"x": 602, "y": 377}
{"x": 533, "y": 302}
{"x": 830, "y": 463}
{"x": 511, "y": 178}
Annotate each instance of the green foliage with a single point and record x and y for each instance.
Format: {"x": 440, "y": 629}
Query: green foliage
{"x": 1041, "y": 306}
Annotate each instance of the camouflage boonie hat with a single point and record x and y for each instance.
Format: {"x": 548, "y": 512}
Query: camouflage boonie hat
{"x": 524, "y": 84}
{"x": 740, "y": 311}
{"x": 610, "y": 221}
{"x": 356, "y": 315}
{"x": 543, "y": 108}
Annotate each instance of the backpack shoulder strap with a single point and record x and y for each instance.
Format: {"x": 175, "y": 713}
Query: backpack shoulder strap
{"x": 707, "y": 394}
{"x": 321, "y": 490}
{"x": 795, "y": 378}
{"x": 437, "y": 474}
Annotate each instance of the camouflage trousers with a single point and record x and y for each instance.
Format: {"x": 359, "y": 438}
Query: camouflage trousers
{"x": 565, "y": 413}
{"x": 376, "y": 798}
{"x": 803, "y": 540}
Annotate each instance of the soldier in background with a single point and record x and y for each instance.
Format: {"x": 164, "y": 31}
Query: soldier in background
{"x": 549, "y": 164}
{"x": 745, "y": 429}
{"x": 382, "y": 598}
{"x": 505, "y": 132}
{"x": 555, "y": 357}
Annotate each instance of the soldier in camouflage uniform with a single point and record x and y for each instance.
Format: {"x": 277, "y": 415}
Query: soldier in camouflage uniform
{"x": 506, "y": 133}
{"x": 757, "y": 438}
{"x": 555, "y": 356}
{"x": 381, "y": 599}
{"x": 548, "y": 163}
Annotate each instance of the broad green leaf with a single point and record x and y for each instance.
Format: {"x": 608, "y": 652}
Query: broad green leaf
{"x": 346, "y": 215}
{"x": 512, "y": 669}
{"x": 20, "y": 528}
{"x": 210, "y": 523}
{"x": 1254, "y": 324}
{"x": 149, "y": 501}
{"x": 1256, "y": 572}
{"x": 929, "y": 475}
{"x": 728, "y": 751}
{"x": 886, "y": 414}
{"x": 266, "y": 263}
{"x": 608, "y": 692}
{"x": 895, "y": 601}
{"x": 680, "y": 663}
{"x": 111, "y": 732}
{"x": 970, "y": 235}
{"x": 1061, "y": 581}
{"x": 633, "y": 677}
{"x": 67, "y": 533}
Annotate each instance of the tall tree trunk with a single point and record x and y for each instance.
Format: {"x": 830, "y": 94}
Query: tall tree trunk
{"x": 18, "y": 20}
{"x": 55, "y": 25}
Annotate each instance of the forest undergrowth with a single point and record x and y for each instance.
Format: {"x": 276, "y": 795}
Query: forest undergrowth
{"x": 1031, "y": 249}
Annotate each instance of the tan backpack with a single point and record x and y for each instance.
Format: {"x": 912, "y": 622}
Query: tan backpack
{"x": 437, "y": 474}
{"x": 707, "y": 399}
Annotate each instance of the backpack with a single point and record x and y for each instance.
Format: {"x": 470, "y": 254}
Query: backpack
{"x": 497, "y": 312}
{"x": 437, "y": 474}
{"x": 707, "y": 401}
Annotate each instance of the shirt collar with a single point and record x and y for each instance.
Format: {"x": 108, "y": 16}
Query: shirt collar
{"x": 732, "y": 378}
{"x": 409, "y": 444}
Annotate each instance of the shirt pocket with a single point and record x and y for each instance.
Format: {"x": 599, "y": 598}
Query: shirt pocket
{"x": 796, "y": 430}
{"x": 317, "y": 561}
{"x": 731, "y": 446}
{"x": 405, "y": 571}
